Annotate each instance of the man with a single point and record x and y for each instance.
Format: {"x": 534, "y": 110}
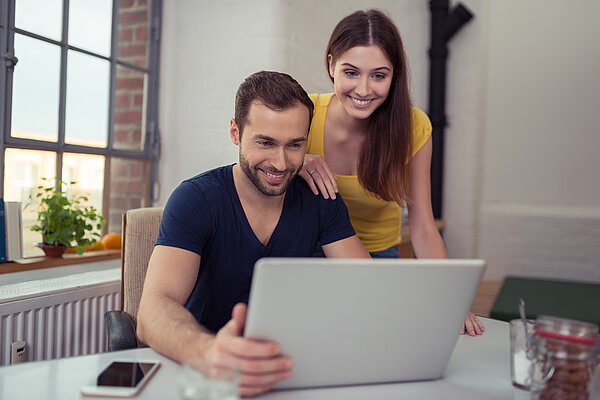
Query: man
{"x": 216, "y": 225}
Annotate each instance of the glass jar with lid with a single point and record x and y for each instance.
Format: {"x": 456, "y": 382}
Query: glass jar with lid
{"x": 564, "y": 361}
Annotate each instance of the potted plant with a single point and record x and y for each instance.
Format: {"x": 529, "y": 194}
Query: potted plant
{"x": 64, "y": 220}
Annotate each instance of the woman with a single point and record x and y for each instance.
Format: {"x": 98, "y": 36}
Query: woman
{"x": 367, "y": 141}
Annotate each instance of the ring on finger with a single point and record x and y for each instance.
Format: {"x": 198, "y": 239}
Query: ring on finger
{"x": 311, "y": 171}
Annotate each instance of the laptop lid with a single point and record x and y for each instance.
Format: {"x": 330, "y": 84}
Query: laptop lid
{"x": 358, "y": 321}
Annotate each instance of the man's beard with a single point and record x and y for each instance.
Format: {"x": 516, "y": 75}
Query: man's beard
{"x": 266, "y": 188}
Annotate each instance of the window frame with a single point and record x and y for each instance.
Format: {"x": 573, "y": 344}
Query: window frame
{"x": 151, "y": 151}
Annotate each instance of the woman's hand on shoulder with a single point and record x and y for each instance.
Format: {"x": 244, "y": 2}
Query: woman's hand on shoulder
{"x": 319, "y": 176}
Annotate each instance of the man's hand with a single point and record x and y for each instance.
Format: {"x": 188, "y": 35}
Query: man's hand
{"x": 319, "y": 176}
{"x": 472, "y": 325}
{"x": 260, "y": 363}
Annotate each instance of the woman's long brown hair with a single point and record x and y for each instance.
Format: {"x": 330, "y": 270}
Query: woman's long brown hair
{"x": 383, "y": 166}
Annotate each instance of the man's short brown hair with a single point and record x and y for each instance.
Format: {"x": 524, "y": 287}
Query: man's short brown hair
{"x": 276, "y": 90}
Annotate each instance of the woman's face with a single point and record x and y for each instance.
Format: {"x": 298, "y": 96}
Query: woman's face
{"x": 362, "y": 77}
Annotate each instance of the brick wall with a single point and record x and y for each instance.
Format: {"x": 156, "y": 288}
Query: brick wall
{"x": 127, "y": 183}
{"x": 128, "y": 188}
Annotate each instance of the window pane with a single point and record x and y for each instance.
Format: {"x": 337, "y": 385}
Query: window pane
{"x": 128, "y": 188}
{"x": 43, "y": 17}
{"x": 35, "y": 89}
{"x": 130, "y": 109}
{"x": 90, "y": 25}
{"x": 23, "y": 172}
{"x": 87, "y": 100}
{"x": 88, "y": 171}
{"x": 134, "y": 26}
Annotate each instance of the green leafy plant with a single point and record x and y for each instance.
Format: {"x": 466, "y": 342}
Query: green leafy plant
{"x": 65, "y": 220}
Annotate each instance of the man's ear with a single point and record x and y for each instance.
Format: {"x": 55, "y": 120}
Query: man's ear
{"x": 331, "y": 65}
{"x": 234, "y": 132}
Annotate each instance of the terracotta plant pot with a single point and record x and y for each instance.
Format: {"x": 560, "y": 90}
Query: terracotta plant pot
{"x": 51, "y": 250}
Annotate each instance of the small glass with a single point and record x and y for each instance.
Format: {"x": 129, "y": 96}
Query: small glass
{"x": 202, "y": 379}
{"x": 521, "y": 352}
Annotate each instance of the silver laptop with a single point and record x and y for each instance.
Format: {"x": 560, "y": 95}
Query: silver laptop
{"x": 357, "y": 321}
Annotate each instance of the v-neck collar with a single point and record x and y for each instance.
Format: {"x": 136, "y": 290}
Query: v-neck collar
{"x": 244, "y": 219}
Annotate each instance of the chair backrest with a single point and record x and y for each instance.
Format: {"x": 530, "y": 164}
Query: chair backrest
{"x": 140, "y": 229}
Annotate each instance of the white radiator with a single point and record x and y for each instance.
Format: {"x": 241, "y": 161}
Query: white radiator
{"x": 59, "y": 322}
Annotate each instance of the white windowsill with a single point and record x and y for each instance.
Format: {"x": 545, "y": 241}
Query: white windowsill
{"x": 27, "y": 284}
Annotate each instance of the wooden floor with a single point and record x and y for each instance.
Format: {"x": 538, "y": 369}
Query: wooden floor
{"x": 485, "y": 298}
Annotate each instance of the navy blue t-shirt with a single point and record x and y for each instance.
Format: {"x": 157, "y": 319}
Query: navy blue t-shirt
{"x": 204, "y": 215}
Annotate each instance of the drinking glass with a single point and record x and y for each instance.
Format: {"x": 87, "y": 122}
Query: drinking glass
{"x": 202, "y": 379}
{"x": 520, "y": 357}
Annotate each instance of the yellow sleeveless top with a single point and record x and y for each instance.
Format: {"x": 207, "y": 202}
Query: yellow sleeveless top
{"x": 377, "y": 222}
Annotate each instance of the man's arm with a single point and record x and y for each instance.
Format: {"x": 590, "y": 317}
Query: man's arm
{"x": 166, "y": 326}
{"x": 163, "y": 323}
{"x": 350, "y": 247}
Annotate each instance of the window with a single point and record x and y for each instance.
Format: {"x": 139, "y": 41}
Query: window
{"x": 79, "y": 102}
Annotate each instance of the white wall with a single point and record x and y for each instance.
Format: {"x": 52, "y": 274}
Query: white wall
{"x": 522, "y": 104}
{"x": 540, "y": 198}
{"x": 207, "y": 50}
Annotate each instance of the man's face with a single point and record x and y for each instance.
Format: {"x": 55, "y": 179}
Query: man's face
{"x": 272, "y": 146}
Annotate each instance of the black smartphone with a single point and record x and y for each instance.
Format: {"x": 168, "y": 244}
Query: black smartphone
{"x": 122, "y": 378}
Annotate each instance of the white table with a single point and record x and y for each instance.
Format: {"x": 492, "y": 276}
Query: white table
{"x": 478, "y": 369}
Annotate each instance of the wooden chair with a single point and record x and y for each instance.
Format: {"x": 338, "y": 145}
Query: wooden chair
{"x": 140, "y": 229}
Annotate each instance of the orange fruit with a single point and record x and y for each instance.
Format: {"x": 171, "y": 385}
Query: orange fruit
{"x": 111, "y": 241}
